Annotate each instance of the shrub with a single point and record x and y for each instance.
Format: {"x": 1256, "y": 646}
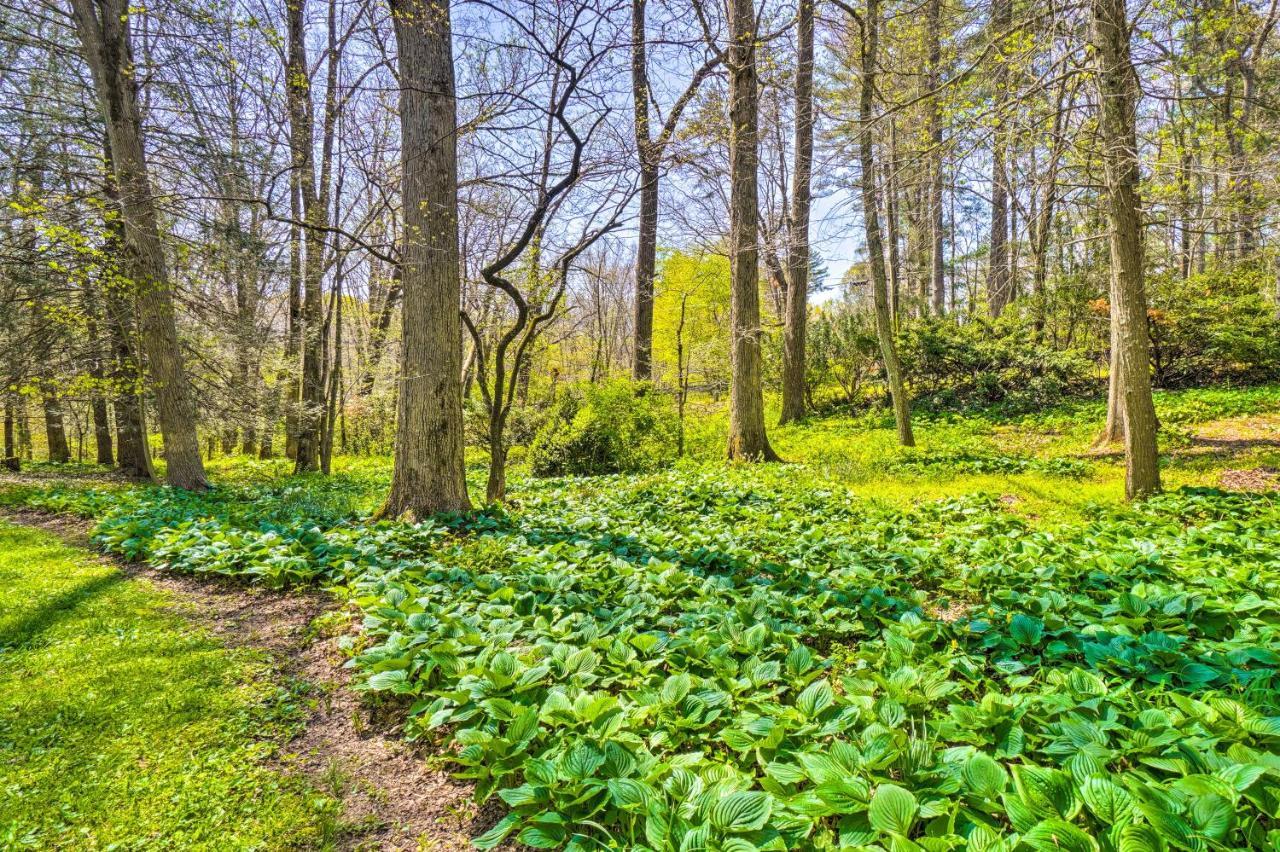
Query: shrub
{"x": 615, "y": 427}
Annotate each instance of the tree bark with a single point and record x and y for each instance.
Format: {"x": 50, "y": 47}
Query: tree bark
{"x": 429, "y": 474}
{"x": 871, "y": 223}
{"x": 301, "y": 143}
{"x": 747, "y": 438}
{"x": 793, "y": 340}
{"x": 103, "y": 28}
{"x": 1117, "y": 98}
{"x": 11, "y": 462}
{"x": 647, "y": 240}
{"x": 998, "y": 278}
{"x": 55, "y": 430}
{"x": 937, "y": 281}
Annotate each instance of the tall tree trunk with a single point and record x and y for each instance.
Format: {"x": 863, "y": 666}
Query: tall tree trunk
{"x": 315, "y": 216}
{"x": 793, "y": 339}
{"x": 429, "y": 475}
{"x": 937, "y": 266}
{"x": 1117, "y": 99}
{"x": 98, "y": 377}
{"x": 288, "y": 380}
{"x": 871, "y": 223}
{"x": 133, "y": 452}
{"x": 103, "y": 27}
{"x": 747, "y": 438}
{"x": 998, "y": 279}
{"x": 647, "y": 240}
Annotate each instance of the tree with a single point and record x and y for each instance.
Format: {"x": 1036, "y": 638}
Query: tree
{"x": 429, "y": 475}
{"x": 1117, "y": 84}
{"x": 999, "y": 276}
{"x": 747, "y": 438}
{"x": 651, "y": 150}
{"x": 797, "y": 306}
{"x": 103, "y": 27}
{"x": 871, "y": 223}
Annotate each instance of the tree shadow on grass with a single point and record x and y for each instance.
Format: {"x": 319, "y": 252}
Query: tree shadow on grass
{"x": 27, "y": 631}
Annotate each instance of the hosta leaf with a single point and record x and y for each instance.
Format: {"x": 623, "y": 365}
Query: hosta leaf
{"x": 1140, "y": 837}
{"x": 893, "y": 809}
{"x": 1025, "y": 629}
{"x": 984, "y": 776}
{"x": 817, "y": 697}
{"x": 491, "y": 838}
{"x": 741, "y": 811}
{"x": 1212, "y": 815}
{"x": 1057, "y": 835}
{"x": 628, "y": 793}
{"x": 1108, "y": 801}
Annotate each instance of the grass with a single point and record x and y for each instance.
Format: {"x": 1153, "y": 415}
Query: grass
{"x": 123, "y": 726}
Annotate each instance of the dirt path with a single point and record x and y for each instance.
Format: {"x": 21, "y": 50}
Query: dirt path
{"x": 391, "y": 798}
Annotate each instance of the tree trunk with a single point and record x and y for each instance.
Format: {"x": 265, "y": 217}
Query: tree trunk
{"x": 55, "y": 429}
{"x": 429, "y": 474}
{"x": 103, "y": 28}
{"x": 301, "y": 144}
{"x": 11, "y": 461}
{"x": 793, "y": 340}
{"x": 747, "y": 438}
{"x": 647, "y": 241}
{"x": 998, "y": 283}
{"x": 97, "y": 400}
{"x": 1117, "y": 98}
{"x": 937, "y": 283}
{"x": 871, "y": 222}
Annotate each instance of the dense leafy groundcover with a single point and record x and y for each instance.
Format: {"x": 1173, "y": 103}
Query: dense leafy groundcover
{"x": 746, "y": 659}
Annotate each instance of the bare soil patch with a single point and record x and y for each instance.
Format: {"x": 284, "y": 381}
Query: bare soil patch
{"x": 1254, "y": 479}
{"x": 391, "y": 796}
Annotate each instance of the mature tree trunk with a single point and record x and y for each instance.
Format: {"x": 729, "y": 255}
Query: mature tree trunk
{"x": 871, "y": 222}
{"x": 11, "y": 460}
{"x": 288, "y": 386}
{"x": 103, "y": 27}
{"x": 747, "y": 438}
{"x": 647, "y": 242}
{"x": 429, "y": 475}
{"x": 793, "y": 341}
{"x": 301, "y": 145}
{"x": 999, "y": 285}
{"x": 1117, "y": 98}
{"x": 55, "y": 430}
{"x": 937, "y": 266}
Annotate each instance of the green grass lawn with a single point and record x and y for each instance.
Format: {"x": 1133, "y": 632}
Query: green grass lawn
{"x": 123, "y": 726}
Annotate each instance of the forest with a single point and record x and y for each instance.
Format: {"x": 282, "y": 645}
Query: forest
{"x": 640, "y": 425}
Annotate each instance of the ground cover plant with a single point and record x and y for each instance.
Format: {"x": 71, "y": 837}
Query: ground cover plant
{"x": 122, "y": 727}
{"x": 711, "y": 658}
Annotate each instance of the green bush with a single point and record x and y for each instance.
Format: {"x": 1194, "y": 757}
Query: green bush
{"x": 615, "y": 427}
{"x": 1213, "y": 327}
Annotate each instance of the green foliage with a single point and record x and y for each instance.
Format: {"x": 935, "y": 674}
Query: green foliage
{"x": 746, "y": 659}
{"x": 122, "y": 728}
{"x": 614, "y": 427}
{"x": 1214, "y": 327}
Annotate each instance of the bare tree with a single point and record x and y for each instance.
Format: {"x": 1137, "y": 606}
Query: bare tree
{"x": 797, "y": 307}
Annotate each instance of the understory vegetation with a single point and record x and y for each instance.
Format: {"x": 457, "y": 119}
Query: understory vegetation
{"x": 970, "y": 644}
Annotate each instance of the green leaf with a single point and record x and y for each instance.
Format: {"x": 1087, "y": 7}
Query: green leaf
{"x": 1108, "y": 801}
{"x": 1057, "y": 835}
{"x": 818, "y": 696}
{"x": 893, "y": 809}
{"x": 746, "y": 810}
{"x": 498, "y": 833}
{"x": 984, "y": 776}
{"x": 1140, "y": 837}
{"x": 1025, "y": 629}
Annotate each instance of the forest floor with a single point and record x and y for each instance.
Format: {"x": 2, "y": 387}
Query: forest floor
{"x": 173, "y": 701}
{"x": 157, "y": 710}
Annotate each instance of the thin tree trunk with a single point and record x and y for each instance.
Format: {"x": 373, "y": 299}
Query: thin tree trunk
{"x": 429, "y": 474}
{"x": 871, "y": 222}
{"x": 937, "y": 284}
{"x": 1117, "y": 98}
{"x": 11, "y": 461}
{"x": 998, "y": 283}
{"x": 793, "y": 341}
{"x": 647, "y": 239}
{"x": 103, "y": 28}
{"x": 747, "y": 438}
